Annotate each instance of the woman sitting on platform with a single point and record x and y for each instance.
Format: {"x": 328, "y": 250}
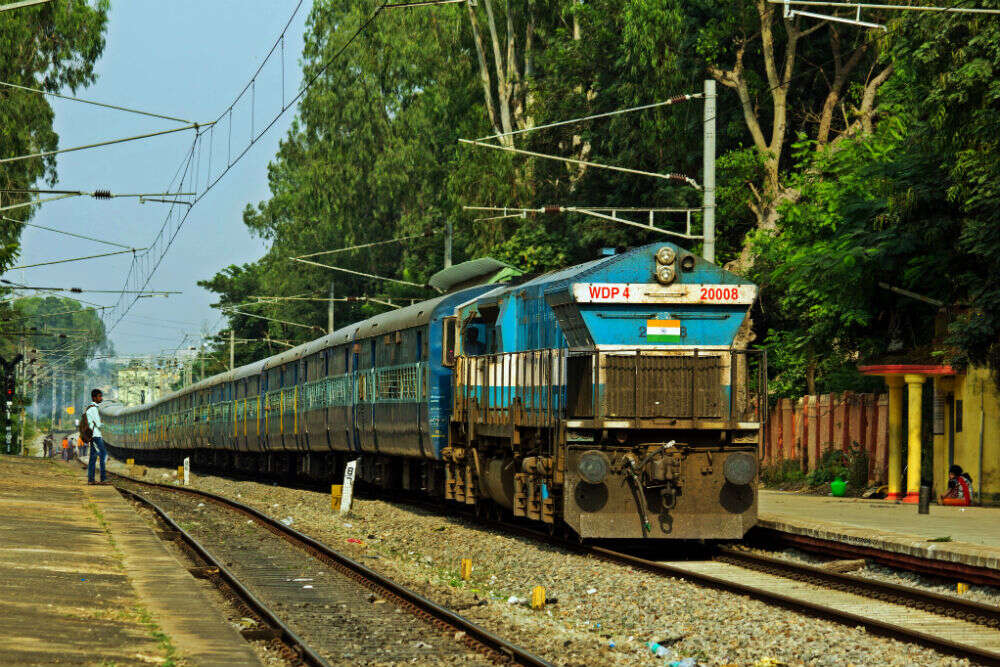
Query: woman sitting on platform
{"x": 959, "y": 487}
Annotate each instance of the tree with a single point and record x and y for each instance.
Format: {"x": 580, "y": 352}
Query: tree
{"x": 912, "y": 204}
{"x": 59, "y": 333}
{"x": 50, "y": 47}
{"x": 789, "y": 76}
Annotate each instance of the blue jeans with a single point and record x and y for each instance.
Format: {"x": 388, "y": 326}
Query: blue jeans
{"x": 97, "y": 449}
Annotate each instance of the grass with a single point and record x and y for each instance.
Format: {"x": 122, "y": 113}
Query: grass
{"x": 162, "y": 639}
{"x": 138, "y": 613}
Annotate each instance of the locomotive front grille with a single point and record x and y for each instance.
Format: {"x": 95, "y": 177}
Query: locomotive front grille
{"x": 670, "y": 387}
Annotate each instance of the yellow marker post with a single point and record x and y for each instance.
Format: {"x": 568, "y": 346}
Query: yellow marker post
{"x": 961, "y": 588}
{"x": 537, "y": 597}
{"x": 465, "y": 569}
{"x": 130, "y": 462}
{"x": 180, "y": 473}
{"x": 336, "y": 492}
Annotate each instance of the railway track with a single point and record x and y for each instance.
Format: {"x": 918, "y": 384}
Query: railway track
{"x": 322, "y": 606}
{"x": 948, "y": 624}
{"x": 951, "y": 625}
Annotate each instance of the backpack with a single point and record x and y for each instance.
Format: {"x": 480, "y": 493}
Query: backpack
{"x": 86, "y": 433}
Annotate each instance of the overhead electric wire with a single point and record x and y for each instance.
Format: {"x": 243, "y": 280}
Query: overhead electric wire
{"x": 109, "y": 142}
{"x": 210, "y": 183}
{"x": 358, "y": 273}
{"x": 423, "y": 3}
{"x": 99, "y": 104}
{"x": 670, "y": 177}
{"x": 60, "y": 231}
{"x": 22, "y": 3}
{"x": 75, "y": 259}
{"x": 271, "y": 319}
{"x": 53, "y": 293}
{"x": 373, "y": 244}
{"x": 673, "y": 100}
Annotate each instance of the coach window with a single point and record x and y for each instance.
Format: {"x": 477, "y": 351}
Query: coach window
{"x": 420, "y": 344}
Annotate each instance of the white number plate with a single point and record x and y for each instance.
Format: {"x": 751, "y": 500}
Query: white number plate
{"x": 653, "y": 293}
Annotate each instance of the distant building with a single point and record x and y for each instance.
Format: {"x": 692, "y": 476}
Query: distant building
{"x": 142, "y": 382}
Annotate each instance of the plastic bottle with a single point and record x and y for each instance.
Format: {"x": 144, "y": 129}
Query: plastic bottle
{"x": 658, "y": 650}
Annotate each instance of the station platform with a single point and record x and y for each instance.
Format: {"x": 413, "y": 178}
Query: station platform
{"x": 87, "y": 581}
{"x": 968, "y": 536}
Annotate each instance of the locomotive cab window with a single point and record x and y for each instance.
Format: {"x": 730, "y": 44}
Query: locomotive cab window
{"x": 449, "y": 341}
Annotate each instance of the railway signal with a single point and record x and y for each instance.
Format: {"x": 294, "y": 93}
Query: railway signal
{"x": 8, "y": 372}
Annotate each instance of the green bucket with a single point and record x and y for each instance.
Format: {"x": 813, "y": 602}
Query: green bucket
{"x": 838, "y": 487}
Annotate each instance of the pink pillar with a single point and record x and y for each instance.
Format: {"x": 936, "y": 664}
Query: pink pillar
{"x": 839, "y": 405}
{"x": 813, "y": 430}
{"x": 788, "y": 429}
{"x": 824, "y": 438}
{"x": 799, "y": 427}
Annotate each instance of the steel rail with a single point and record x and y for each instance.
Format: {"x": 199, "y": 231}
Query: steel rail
{"x": 285, "y": 634}
{"x": 944, "y": 605}
{"x": 937, "y": 568}
{"x": 503, "y": 650}
{"x": 982, "y": 655}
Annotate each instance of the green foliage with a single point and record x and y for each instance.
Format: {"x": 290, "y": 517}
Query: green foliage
{"x": 914, "y": 205}
{"x": 850, "y": 466}
{"x": 50, "y": 46}
{"x": 832, "y": 465}
{"x": 783, "y": 473}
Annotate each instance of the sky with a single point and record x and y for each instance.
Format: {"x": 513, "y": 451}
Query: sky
{"x": 187, "y": 59}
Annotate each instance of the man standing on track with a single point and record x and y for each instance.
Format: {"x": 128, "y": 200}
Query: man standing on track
{"x": 65, "y": 448}
{"x": 90, "y": 427}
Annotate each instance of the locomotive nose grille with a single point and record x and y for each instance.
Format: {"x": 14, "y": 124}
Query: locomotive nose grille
{"x": 672, "y": 387}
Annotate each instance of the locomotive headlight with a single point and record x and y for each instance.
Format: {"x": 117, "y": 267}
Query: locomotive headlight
{"x": 740, "y": 468}
{"x": 665, "y": 274}
{"x": 593, "y": 467}
{"x": 665, "y": 255}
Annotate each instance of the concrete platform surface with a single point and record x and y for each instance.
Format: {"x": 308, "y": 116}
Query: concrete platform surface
{"x": 87, "y": 582}
{"x": 897, "y": 527}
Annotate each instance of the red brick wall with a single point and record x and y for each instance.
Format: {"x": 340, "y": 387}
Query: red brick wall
{"x": 804, "y": 429}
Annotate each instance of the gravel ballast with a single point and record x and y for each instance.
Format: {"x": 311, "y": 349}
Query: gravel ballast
{"x": 604, "y": 613}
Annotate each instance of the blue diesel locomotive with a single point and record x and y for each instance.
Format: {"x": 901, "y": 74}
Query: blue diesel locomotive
{"x": 611, "y": 399}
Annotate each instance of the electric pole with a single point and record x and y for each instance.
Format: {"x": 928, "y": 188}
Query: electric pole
{"x": 708, "y": 184}
{"x": 329, "y": 311}
{"x": 52, "y": 409}
{"x": 447, "y": 245}
{"x": 149, "y": 379}
{"x": 232, "y": 348}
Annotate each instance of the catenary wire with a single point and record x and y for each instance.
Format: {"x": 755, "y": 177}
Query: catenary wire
{"x": 85, "y": 101}
{"x": 185, "y": 166}
{"x": 60, "y": 231}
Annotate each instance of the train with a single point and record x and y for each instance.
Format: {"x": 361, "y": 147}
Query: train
{"x": 614, "y": 399}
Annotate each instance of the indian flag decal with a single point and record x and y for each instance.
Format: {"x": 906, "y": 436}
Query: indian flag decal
{"x": 663, "y": 331}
